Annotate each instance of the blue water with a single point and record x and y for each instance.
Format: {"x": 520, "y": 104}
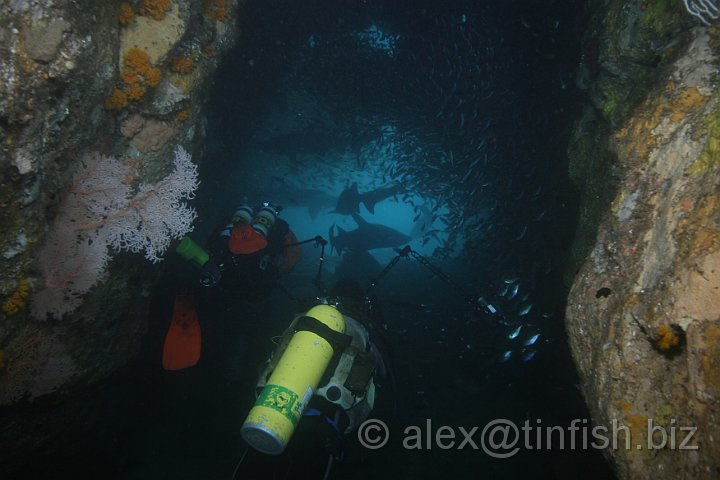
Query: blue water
{"x": 468, "y": 108}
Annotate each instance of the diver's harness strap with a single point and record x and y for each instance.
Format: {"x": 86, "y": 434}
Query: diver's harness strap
{"x": 476, "y": 301}
{"x": 339, "y": 341}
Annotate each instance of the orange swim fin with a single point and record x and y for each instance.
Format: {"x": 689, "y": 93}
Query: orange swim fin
{"x": 184, "y": 339}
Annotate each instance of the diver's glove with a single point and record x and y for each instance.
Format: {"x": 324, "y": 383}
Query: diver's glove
{"x": 210, "y": 274}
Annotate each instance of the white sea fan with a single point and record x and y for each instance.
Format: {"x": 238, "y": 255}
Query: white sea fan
{"x": 156, "y": 215}
{"x": 706, "y": 10}
{"x": 99, "y": 211}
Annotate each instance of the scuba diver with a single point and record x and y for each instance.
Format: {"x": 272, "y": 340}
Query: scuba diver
{"x": 252, "y": 250}
{"x": 245, "y": 257}
{"x": 319, "y": 385}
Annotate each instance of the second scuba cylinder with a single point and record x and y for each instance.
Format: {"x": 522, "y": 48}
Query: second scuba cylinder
{"x": 264, "y": 220}
{"x": 243, "y": 214}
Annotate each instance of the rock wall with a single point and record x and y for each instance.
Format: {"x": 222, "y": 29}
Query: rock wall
{"x": 127, "y": 80}
{"x": 643, "y": 313}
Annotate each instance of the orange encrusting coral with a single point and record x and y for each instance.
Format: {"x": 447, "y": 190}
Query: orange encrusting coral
{"x": 137, "y": 74}
{"x": 135, "y": 92}
{"x": 129, "y": 77}
{"x": 182, "y": 65}
{"x": 155, "y": 8}
{"x": 17, "y": 300}
{"x": 217, "y": 9}
{"x": 153, "y": 77}
{"x": 117, "y": 100}
{"x": 126, "y": 13}
{"x": 183, "y": 115}
{"x": 666, "y": 338}
{"x": 138, "y": 60}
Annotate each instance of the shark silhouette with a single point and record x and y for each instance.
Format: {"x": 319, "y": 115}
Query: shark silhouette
{"x": 368, "y": 236}
{"x": 350, "y": 199}
{"x": 357, "y": 264}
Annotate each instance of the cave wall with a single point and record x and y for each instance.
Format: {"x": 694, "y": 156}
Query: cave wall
{"x": 643, "y": 313}
{"x": 127, "y": 80}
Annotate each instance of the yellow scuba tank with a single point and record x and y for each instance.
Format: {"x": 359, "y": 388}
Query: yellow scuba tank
{"x": 272, "y": 421}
